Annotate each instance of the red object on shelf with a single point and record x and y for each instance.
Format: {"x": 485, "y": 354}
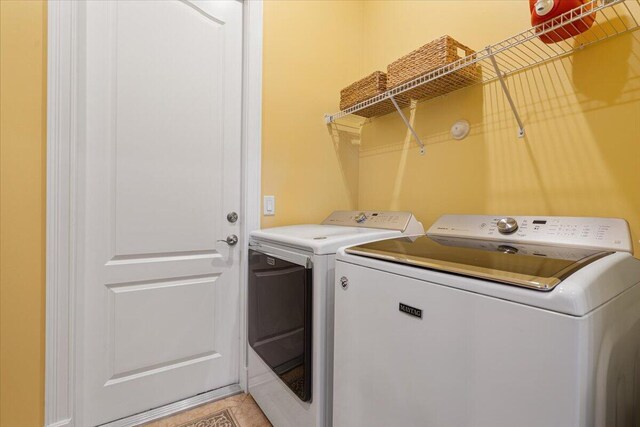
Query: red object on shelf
{"x": 546, "y": 10}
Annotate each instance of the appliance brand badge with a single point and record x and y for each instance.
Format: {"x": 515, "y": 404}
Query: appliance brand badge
{"x": 271, "y": 261}
{"x": 416, "y": 312}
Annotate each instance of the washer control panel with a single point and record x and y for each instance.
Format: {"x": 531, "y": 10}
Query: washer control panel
{"x": 388, "y": 220}
{"x": 593, "y": 233}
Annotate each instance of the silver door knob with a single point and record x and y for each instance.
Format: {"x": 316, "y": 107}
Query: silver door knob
{"x": 507, "y": 225}
{"x": 232, "y": 217}
{"x": 231, "y": 240}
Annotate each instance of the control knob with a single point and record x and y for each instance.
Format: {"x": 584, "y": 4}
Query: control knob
{"x": 361, "y": 217}
{"x": 506, "y": 249}
{"x": 507, "y": 225}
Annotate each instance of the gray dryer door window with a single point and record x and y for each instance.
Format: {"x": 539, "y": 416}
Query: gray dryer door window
{"x": 280, "y": 318}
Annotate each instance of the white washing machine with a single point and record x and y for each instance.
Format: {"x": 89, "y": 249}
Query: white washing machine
{"x": 490, "y": 322}
{"x": 290, "y": 310}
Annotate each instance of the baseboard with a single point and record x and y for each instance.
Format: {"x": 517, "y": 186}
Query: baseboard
{"x": 173, "y": 408}
{"x": 62, "y": 423}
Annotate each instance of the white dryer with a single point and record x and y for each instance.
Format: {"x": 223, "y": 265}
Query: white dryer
{"x": 290, "y": 310}
{"x": 490, "y": 322}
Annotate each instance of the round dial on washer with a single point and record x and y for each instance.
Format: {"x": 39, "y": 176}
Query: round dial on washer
{"x": 361, "y": 217}
{"x": 507, "y": 225}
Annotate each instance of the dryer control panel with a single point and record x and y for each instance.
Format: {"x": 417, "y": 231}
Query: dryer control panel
{"x": 388, "y": 220}
{"x": 582, "y": 232}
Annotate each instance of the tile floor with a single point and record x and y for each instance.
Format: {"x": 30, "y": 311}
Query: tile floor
{"x": 245, "y": 410}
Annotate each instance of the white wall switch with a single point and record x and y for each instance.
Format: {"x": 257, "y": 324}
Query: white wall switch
{"x": 269, "y": 205}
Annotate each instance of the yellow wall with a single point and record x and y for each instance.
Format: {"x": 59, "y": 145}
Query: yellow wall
{"x": 22, "y": 211}
{"x": 311, "y": 50}
{"x": 580, "y": 156}
{"x": 582, "y": 116}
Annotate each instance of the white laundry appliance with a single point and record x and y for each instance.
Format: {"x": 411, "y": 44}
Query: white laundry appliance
{"x": 490, "y": 322}
{"x": 290, "y": 310}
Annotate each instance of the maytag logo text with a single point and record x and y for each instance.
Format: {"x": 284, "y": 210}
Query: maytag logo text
{"x": 416, "y": 312}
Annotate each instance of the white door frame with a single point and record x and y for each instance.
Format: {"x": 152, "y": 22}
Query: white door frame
{"x": 61, "y": 378}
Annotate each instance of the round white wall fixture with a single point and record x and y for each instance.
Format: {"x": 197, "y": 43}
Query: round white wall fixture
{"x": 460, "y": 129}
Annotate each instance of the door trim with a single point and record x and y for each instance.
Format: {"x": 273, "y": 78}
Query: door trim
{"x": 251, "y": 157}
{"x": 61, "y": 361}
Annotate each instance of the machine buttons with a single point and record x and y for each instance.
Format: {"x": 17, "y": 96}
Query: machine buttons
{"x": 595, "y": 233}
{"x": 507, "y": 225}
{"x": 361, "y": 217}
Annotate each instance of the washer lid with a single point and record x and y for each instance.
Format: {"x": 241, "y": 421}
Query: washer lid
{"x": 532, "y": 266}
{"x": 321, "y": 239}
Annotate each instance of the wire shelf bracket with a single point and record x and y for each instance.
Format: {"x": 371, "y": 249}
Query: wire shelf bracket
{"x": 406, "y": 122}
{"x": 505, "y": 89}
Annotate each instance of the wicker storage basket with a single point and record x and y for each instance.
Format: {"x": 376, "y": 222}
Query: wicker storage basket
{"x": 368, "y": 87}
{"x": 435, "y": 54}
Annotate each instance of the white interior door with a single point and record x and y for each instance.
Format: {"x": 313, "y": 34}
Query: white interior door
{"x": 160, "y": 95}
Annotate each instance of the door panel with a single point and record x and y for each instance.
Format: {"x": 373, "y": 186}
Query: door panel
{"x": 160, "y": 168}
{"x": 169, "y": 106}
{"x": 149, "y": 321}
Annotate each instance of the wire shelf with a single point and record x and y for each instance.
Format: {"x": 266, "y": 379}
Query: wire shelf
{"x": 526, "y": 50}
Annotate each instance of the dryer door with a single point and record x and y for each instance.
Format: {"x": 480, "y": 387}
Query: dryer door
{"x": 280, "y": 315}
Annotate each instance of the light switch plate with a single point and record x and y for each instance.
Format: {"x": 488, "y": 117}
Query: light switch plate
{"x": 269, "y": 205}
